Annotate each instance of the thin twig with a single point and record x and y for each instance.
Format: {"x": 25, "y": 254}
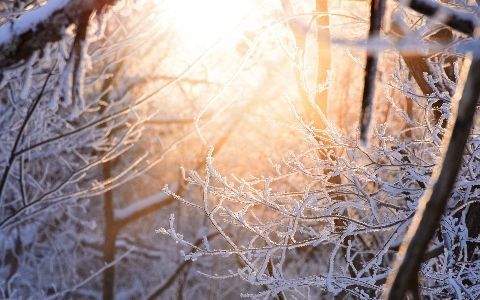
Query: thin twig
{"x": 30, "y": 112}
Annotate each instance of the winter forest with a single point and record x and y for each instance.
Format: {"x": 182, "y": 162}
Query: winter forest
{"x": 231, "y": 149}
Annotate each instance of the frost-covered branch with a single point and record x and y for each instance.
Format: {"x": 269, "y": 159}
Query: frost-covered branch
{"x": 26, "y": 119}
{"x": 432, "y": 204}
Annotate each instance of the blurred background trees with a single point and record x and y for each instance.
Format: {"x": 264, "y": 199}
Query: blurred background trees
{"x": 232, "y": 128}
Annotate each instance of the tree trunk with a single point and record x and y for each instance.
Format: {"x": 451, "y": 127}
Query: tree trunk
{"x": 109, "y": 239}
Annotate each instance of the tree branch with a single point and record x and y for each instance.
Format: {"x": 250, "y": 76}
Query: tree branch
{"x": 460, "y": 21}
{"x": 141, "y": 208}
{"x": 433, "y": 202}
{"x": 171, "y": 280}
{"x": 47, "y": 24}
{"x": 29, "y": 114}
{"x": 377, "y": 9}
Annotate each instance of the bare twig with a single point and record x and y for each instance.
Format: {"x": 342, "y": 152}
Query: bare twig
{"x": 171, "y": 280}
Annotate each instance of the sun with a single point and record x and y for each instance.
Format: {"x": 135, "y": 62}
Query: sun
{"x": 200, "y": 23}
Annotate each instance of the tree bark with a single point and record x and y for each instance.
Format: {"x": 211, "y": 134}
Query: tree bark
{"x": 377, "y": 9}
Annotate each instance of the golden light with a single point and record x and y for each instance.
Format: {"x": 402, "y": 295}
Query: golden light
{"x": 200, "y": 23}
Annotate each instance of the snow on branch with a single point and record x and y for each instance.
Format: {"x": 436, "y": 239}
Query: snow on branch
{"x": 152, "y": 203}
{"x": 461, "y": 21}
{"x": 46, "y": 24}
{"x": 432, "y": 204}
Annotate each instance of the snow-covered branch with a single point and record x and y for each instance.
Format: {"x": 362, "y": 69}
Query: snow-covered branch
{"x": 46, "y": 24}
{"x": 139, "y": 208}
{"x": 432, "y": 205}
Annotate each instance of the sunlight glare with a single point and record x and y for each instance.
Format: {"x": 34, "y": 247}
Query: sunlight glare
{"x": 201, "y": 23}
